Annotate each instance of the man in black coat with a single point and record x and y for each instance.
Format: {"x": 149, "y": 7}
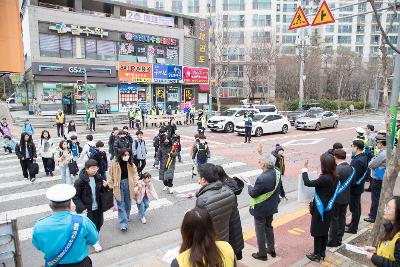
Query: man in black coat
{"x": 360, "y": 165}
{"x": 338, "y": 222}
{"x": 121, "y": 142}
{"x": 264, "y": 204}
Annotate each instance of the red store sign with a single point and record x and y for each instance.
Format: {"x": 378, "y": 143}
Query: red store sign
{"x": 195, "y": 75}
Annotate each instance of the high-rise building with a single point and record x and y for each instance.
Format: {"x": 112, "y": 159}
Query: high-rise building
{"x": 249, "y": 20}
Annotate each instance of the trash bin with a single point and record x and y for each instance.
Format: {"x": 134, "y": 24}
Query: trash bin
{"x": 30, "y": 109}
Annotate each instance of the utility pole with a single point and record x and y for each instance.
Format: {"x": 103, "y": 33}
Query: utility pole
{"x": 395, "y": 91}
{"x": 210, "y": 82}
{"x": 301, "y": 54}
{"x": 86, "y": 98}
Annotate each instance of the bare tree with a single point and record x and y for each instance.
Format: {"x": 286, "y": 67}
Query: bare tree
{"x": 287, "y": 77}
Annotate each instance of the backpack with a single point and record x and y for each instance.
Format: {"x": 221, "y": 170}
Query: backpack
{"x": 201, "y": 152}
{"x": 92, "y": 151}
{"x": 137, "y": 144}
{"x": 156, "y": 141}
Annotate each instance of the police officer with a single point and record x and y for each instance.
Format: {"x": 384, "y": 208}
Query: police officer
{"x": 92, "y": 119}
{"x": 201, "y": 122}
{"x": 131, "y": 116}
{"x": 248, "y": 124}
{"x": 60, "y": 120}
{"x": 64, "y": 231}
{"x": 361, "y": 135}
{"x": 378, "y": 168}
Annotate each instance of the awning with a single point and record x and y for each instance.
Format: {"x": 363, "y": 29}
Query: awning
{"x": 204, "y": 88}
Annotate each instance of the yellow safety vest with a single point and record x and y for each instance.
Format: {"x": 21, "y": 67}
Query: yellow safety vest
{"x": 192, "y": 110}
{"x": 92, "y": 114}
{"x": 138, "y": 116}
{"x": 386, "y": 248}
{"x": 177, "y": 112}
{"x": 261, "y": 198}
{"x": 398, "y": 134}
{"x": 60, "y": 118}
{"x": 161, "y": 112}
{"x": 153, "y": 112}
{"x": 131, "y": 114}
{"x": 227, "y": 254}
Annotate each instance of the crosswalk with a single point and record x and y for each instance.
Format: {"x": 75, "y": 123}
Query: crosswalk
{"x": 25, "y": 201}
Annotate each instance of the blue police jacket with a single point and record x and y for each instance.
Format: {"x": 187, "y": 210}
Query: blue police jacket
{"x": 51, "y": 233}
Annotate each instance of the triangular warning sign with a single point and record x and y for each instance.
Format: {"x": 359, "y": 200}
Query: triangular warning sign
{"x": 299, "y": 20}
{"x": 324, "y": 15}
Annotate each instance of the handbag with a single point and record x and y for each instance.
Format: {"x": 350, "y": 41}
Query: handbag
{"x": 106, "y": 199}
{"x": 73, "y": 167}
{"x": 34, "y": 168}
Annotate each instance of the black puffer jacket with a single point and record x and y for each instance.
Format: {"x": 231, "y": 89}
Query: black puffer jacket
{"x": 120, "y": 144}
{"x": 83, "y": 198}
{"x": 235, "y": 224}
{"x": 20, "y": 150}
{"x": 219, "y": 202}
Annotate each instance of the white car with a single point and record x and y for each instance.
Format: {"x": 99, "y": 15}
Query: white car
{"x": 265, "y": 123}
{"x": 317, "y": 121}
{"x": 228, "y": 119}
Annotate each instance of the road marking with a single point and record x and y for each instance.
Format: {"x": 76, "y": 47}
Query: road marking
{"x": 303, "y": 142}
{"x": 296, "y": 231}
{"x": 250, "y": 233}
{"x": 26, "y": 234}
{"x": 304, "y": 134}
{"x": 26, "y": 194}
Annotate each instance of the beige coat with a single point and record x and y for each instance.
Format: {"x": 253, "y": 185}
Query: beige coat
{"x": 114, "y": 179}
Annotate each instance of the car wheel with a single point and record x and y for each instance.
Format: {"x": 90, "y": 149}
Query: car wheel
{"x": 259, "y": 132}
{"x": 229, "y": 127}
{"x": 285, "y": 129}
{"x": 212, "y": 130}
{"x": 335, "y": 125}
{"x": 318, "y": 126}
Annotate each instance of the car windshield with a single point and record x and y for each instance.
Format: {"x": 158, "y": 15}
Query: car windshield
{"x": 229, "y": 112}
{"x": 312, "y": 115}
{"x": 258, "y": 117}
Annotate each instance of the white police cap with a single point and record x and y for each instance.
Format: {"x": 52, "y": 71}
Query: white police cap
{"x": 60, "y": 192}
{"x": 360, "y": 130}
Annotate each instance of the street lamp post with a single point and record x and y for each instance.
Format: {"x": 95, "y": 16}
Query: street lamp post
{"x": 395, "y": 92}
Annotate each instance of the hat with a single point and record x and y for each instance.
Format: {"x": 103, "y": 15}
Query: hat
{"x": 278, "y": 148}
{"x": 60, "y": 192}
{"x": 371, "y": 127}
{"x": 380, "y": 138}
{"x": 360, "y": 130}
{"x": 268, "y": 159}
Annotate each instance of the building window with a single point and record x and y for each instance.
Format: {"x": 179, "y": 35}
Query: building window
{"x": 233, "y": 21}
{"x": 193, "y": 6}
{"x": 329, "y": 39}
{"x": 344, "y": 29}
{"x": 234, "y": 38}
{"x": 344, "y": 39}
{"x": 142, "y": 3}
{"x": 212, "y": 4}
{"x": 177, "y": 6}
{"x": 106, "y": 50}
{"x": 391, "y": 17}
{"x": 160, "y": 4}
{"x": 261, "y": 20}
{"x": 392, "y": 29}
{"x": 91, "y": 49}
{"x": 287, "y": 18}
{"x": 361, "y": 19}
{"x": 375, "y": 29}
{"x": 289, "y": 39}
{"x": 360, "y": 29}
{"x": 78, "y": 47}
{"x": 235, "y": 71}
{"x": 330, "y": 28}
{"x": 348, "y": 19}
{"x": 359, "y": 50}
{"x": 374, "y": 51}
{"x": 234, "y": 54}
{"x": 360, "y": 39}
{"x": 345, "y": 9}
{"x": 289, "y": 7}
{"x": 261, "y": 4}
{"x": 49, "y": 45}
{"x": 263, "y": 37}
{"x": 375, "y": 39}
{"x": 232, "y": 89}
{"x": 232, "y": 5}
{"x": 66, "y": 46}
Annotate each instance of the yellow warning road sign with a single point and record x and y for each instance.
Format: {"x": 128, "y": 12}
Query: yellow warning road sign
{"x": 324, "y": 15}
{"x": 299, "y": 20}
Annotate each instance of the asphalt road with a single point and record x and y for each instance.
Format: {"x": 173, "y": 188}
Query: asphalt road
{"x": 26, "y": 201}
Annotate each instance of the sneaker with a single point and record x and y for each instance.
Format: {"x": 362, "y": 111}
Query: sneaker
{"x": 97, "y": 247}
{"x": 143, "y": 220}
{"x": 51, "y": 174}
{"x": 33, "y": 179}
{"x": 124, "y": 229}
{"x": 170, "y": 190}
{"x": 165, "y": 188}
{"x": 26, "y": 178}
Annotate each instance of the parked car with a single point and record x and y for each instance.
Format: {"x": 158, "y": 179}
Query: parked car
{"x": 11, "y": 99}
{"x": 265, "y": 123}
{"x": 228, "y": 119}
{"x": 293, "y": 115}
{"x": 317, "y": 120}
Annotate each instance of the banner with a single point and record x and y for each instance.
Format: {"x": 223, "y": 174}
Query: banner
{"x": 195, "y": 75}
{"x": 150, "y": 18}
{"x": 167, "y": 73}
{"x": 135, "y": 72}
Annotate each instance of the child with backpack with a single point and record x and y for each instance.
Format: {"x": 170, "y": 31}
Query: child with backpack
{"x": 177, "y": 139}
{"x": 139, "y": 152}
{"x": 88, "y": 150}
{"x": 75, "y": 147}
{"x": 144, "y": 193}
{"x": 101, "y": 157}
{"x": 5, "y": 132}
{"x": 201, "y": 152}
{"x": 28, "y": 128}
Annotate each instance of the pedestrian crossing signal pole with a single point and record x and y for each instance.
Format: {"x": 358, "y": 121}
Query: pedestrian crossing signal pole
{"x": 301, "y": 83}
{"x": 86, "y": 100}
{"x": 395, "y": 92}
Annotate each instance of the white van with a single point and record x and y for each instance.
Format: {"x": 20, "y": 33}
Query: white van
{"x": 228, "y": 119}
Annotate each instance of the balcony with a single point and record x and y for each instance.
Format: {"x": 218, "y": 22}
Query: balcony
{"x": 59, "y": 7}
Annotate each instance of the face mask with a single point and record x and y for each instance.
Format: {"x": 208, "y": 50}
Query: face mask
{"x": 125, "y": 158}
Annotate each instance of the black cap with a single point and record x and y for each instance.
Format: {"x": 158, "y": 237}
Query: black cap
{"x": 371, "y": 127}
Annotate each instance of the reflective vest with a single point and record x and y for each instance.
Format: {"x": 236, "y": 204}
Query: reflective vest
{"x": 60, "y": 118}
{"x": 138, "y": 116}
{"x": 227, "y": 255}
{"x": 266, "y": 196}
{"x": 131, "y": 114}
{"x": 192, "y": 110}
{"x": 177, "y": 112}
{"x": 376, "y": 150}
{"x": 398, "y": 134}
{"x": 202, "y": 121}
{"x": 386, "y": 248}
{"x": 153, "y": 112}
{"x": 92, "y": 114}
{"x": 364, "y": 139}
{"x": 161, "y": 112}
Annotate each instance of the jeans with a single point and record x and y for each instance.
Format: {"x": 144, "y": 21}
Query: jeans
{"x": 124, "y": 205}
{"x": 355, "y": 208}
{"x": 26, "y": 166}
{"x": 376, "y": 187}
{"x": 247, "y": 135}
{"x": 143, "y": 206}
{"x": 92, "y": 123}
{"x": 198, "y": 162}
{"x": 264, "y": 230}
{"x": 60, "y": 130}
{"x": 65, "y": 175}
{"x": 338, "y": 223}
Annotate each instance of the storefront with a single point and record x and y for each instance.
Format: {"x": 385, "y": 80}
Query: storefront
{"x": 58, "y": 86}
{"x": 196, "y": 86}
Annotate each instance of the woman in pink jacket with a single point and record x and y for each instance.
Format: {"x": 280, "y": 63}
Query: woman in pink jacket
{"x": 144, "y": 192}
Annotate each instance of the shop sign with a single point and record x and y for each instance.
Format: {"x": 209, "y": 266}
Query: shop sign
{"x": 195, "y": 75}
{"x": 78, "y": 30}
{"x": 135, "y": 72}
{"x": 81, "y": 70}
{"x": 201, "y": 45}
{"x": 167, "y": 73}
{"x": 152, "y": 39}
{"x": 150, "y": 18}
